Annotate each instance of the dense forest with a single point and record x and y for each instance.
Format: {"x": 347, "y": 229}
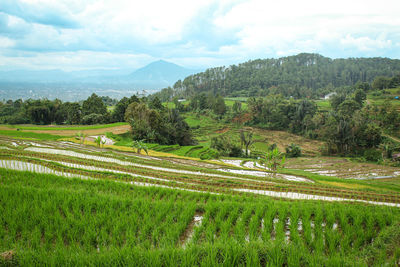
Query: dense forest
{"x": 300, "y": 76}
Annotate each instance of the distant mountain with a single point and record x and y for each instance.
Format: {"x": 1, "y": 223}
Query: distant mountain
{"x": 155, "y": 75}
{"x": 76, "y": 85}
{"x": 160, "y": 72}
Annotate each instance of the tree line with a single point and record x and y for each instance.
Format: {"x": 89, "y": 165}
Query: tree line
{"x": 301, "y": 76}
{"x": 93, "y": 110}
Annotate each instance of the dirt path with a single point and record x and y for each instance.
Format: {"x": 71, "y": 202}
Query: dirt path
{"x": 115, "y": 130}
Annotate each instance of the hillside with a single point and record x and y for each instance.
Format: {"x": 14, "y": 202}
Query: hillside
{"x": 303, "y": 75}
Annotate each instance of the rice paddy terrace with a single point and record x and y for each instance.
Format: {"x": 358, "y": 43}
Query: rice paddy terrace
{"x": 64, "y": 203}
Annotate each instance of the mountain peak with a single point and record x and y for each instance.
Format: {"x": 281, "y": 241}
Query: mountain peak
{"x": 161, "y": 72}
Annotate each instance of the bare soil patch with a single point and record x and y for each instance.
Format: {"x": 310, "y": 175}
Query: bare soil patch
{"x": 223, "y": 130}
{"x": 283, "y": 139}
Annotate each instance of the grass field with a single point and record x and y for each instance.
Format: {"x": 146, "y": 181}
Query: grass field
{"x": 124, "y": 208}
{"x": 54, "y": 220}
{"x": 69, "y": 204}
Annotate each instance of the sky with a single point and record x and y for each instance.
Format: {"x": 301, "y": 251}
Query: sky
{"x": 128, "y": 34}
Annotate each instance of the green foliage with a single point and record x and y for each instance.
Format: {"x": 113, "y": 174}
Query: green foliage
{"x": 156, "y": 104}
{"x": 210, "y": 154}
{"x": 360, "y": 96}
{"x": 336, "y": 100}
{"x": 372, "y": 155}
{"x": 300, "y": 76}
{"x": 81, "y": 137}
{"x": 119, "y": 111}
{"x": 273, "y": 160}
{"x": 153, "y": 126}
{"x": 381, "y": 82}
{"x": 139, "y": 145}
{"x": 237, "y": 107}
{"x": 93, "y": 118}
{"x": 93, "y": 105}
{"x": 293, "y": 151}
{"x": 246, "y": 141}
{"x": 219, "y": 106}
{"x": 225, "y": 146}
{"x": 385, "y": 248}
{"x": 68, "y": 113}
{"x": 98, "y": 140}
{"x": 277, "y": 113}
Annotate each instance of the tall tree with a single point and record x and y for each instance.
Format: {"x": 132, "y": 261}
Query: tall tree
{"x": 246, "y": 140}
{"x": 93, "y": 104}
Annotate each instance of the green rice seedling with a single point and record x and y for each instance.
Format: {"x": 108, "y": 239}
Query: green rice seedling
{"x": 229, "y": 223}
{"x": 269, "y": 216}
{"x": 255, "y": 224}
{"x": 221, "y": 217}
{"x": 240, "y": 228}
{"x": 308, "y": 234}
{"x": 318, "y": 230}
{"x": 294, "y": 225}
{"x": 280, "y": 226}
{"x": 49, "y": 219}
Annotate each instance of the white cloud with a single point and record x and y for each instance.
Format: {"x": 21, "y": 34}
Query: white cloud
{"x": 205, "y": 32}
{"x": 6, "y": 42}
{"x": 365, "y": 43}
{"x": 79, "y": 60}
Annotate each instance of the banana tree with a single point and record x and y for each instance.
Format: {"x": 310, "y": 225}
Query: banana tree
{"x": 140, "y": 145}
{"x": 98, "y": 140}
{"x": 273, "y": 160}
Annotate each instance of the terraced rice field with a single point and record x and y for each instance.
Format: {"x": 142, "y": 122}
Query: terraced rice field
{"x": 344, "y": 168}
{"x": 70, "y": 204}
{"x": 70, "y": 158}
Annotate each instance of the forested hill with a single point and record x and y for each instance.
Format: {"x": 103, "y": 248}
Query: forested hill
{"x": 303, "y": 75}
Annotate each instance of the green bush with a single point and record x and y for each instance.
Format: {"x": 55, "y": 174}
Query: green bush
{"x": 225, "y": 146}
{"x": 293, "y": 151}
{"x": 92, "y": 119}
{"x": 372, "y": 155}
{"x": 210, "y": 154}
{"x": 256, "y": 154}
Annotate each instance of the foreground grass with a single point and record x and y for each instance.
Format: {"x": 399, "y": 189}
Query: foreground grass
{"x": 51, "y": 220}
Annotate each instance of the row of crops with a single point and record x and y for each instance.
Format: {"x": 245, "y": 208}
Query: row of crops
{"x": 47, "y": 219}
{"x": 87, "y": 162}
{"x": 197, "y": 151}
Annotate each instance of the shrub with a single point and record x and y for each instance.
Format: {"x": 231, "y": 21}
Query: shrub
{"x": 225, "y": 146}
{"x": 293, "y": 151}
{"x": 210, "y": 154}
{"x": 256, "y": 154}
{"x": 372, "y": 155}
{"x": 92, "y": 119}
